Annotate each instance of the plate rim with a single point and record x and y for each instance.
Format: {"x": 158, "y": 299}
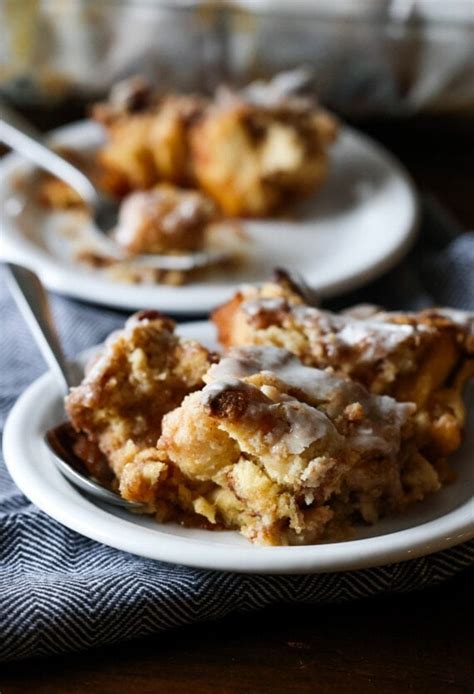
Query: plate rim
{"x": 440, "y": 533}
{"x": 56, "y": 277}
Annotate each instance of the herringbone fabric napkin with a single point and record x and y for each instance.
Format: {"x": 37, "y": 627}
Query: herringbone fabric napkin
{"x": 61, "y": 592}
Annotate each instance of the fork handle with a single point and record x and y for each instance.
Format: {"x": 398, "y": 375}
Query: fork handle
{"x": 32, "y": 301}
{"x": 17, "y": 134}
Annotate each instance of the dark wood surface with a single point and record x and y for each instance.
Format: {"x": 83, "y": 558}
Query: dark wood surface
{"x": 420, "y": 642}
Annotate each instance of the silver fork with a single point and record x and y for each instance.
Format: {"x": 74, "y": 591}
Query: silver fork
{"x": 21, "y": 137}
{"x": 32, "y": 301}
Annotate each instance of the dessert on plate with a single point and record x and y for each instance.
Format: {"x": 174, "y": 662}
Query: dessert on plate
{"x": 256, "y": 440}
{"x": 253, "y": 151}
{"x": 180, "y": 163}
{"x": 294, "y": 454}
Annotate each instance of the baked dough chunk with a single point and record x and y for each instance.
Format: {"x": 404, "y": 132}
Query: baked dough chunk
{"x": 251, "y": 151}
{"x": 253, "y": 156}
{"x": 164, "y": 219}
{"x": 292, "y": 454}
{"x": 147, "y": 142}
{"x": 424, "y": 357}
{"x": 143, "y": 372}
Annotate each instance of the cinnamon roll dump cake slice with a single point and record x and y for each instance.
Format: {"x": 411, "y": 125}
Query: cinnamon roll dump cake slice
{"x": 254, "y": 155}
{"x": 258, "y": 442}
{"x": 250, "y": 150}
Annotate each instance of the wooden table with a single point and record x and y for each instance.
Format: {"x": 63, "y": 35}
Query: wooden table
{"x": 420, "y": 642}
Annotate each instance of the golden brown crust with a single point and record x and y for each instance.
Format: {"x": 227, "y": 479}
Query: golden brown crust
{"x": 423, "y": 357}
{"x": 255, "y": 159}
{"x": 143, "y": 372}
{"x": 149, "y": 146}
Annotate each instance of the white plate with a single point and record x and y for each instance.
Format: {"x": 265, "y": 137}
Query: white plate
{"x": 359, "y": 225}
{"x": 443, "y": 520}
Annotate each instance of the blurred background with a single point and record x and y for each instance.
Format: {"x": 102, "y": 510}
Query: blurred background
{"x": 403, "y": 70}
{"x": 370, "y": 57}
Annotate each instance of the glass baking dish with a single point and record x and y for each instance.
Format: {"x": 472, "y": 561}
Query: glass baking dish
{"x": 373, "y": 57}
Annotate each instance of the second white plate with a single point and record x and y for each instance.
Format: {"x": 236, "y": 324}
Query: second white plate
{"x": 443, "y": 520}
{"x": 359, "y": 225}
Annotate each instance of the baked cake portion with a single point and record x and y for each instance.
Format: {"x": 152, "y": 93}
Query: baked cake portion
{"x": 290, "y": 454}
{"x": 164, "y": 219}
{"x": 147, "y": 136}
{"x": 251, "y": 151}
{"x": 255, "y": 152}
{"x": 146, "y": 143}
{"x": 424, "y": 357}
{"x": 143, "y": 372}
{"x": 259, "y": 442}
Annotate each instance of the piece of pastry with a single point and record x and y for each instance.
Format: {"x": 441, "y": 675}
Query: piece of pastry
{"x": 147, "y": 137}
{"x": 254, "y": 156}
{"x": 423, "y": 357}
{"x": 258, "y": 442}
{"x": 164, "y": 219}
{"x": 252, "y": 151}
{"x": 143, "y": 371}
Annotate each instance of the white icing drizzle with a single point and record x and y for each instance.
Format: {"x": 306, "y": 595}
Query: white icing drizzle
{"x": 254, "y": 307}
{"x": 378, "y": 429}
{"x": 373, "y": 338}
{"x": 307, "y": 425}
{"x": 246, "y": 361}
{"x": 378, "y": 339}
{"x": 318, "y": 385}
{"x": 297, "y": 425}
